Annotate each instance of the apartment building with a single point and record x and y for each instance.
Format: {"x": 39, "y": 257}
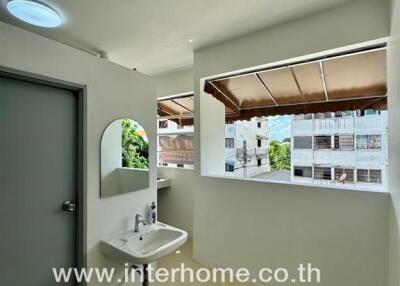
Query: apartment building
{"x": 246, "y": 147}
{"x": 347, "y": 149}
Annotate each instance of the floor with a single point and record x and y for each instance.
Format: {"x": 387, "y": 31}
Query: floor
{"x": 184, "y": 255}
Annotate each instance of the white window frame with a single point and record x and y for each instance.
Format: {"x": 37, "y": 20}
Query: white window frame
{"x": 204, "y": 172}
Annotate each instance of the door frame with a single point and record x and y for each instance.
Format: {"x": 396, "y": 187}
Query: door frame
{"x": 80, "y": 91}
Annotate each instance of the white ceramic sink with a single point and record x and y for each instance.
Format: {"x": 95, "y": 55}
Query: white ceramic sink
{"x": 149, "y": 244}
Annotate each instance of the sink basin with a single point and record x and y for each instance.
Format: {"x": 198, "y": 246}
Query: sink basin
{"x": 149, "y": 244}
{"x": 163, "y": 183}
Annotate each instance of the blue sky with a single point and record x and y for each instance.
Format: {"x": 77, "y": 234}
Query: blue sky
{"x": 279, "y": 127}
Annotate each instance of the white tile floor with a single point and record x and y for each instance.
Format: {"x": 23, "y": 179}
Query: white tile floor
{"x": 184, "y": 255}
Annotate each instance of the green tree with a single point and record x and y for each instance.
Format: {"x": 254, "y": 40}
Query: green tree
{"x": 279, "y": 155}
{"x": 135, "y": 150}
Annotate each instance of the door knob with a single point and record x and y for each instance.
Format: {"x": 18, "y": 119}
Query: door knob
{"x": 69, "y": 206}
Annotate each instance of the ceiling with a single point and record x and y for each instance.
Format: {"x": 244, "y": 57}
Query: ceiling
{"x": 156, "y": 36}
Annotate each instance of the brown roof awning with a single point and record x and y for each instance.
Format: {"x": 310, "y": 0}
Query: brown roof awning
{"x": 347, "y": 82}
{"x": 179, "y": 109}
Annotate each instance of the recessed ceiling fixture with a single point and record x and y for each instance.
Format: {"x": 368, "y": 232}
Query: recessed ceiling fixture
{"x": 35, "y": 13}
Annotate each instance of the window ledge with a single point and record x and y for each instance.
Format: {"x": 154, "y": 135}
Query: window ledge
{"x": 173, "y": 167}
{"x": 301, "y": 184}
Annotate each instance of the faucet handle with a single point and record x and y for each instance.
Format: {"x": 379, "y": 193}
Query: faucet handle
{"x": 138, "y": 220}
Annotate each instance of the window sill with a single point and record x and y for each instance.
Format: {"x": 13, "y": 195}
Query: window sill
{"x": 174, "y": 167}
{"x": 133, "y": 169}
{"x": 175, "y": 132}
{"x": 301, "y": 184}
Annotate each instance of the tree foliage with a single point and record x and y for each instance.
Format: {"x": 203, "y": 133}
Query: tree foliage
{"x": 279, "y": 155}
{"x": 135, "y": 150}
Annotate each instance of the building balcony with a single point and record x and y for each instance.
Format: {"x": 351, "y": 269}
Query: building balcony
{"x": 355, "y": 158}
{"x": 373, "y": 124}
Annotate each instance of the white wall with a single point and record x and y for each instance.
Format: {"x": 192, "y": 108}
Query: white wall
{"x": 175, "y": 82}
{"x": 255, "y": 225}
{"x": 212, "y": 115}
{"x": 394, "y": 145}
{"x": 111, "y": 150}
{"x": 175, "y": 205}
{"x": 112, "y": 92}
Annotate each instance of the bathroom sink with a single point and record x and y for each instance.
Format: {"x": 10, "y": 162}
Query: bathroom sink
{"x": 149, "y": 244}
{"x": 163, "y": 183}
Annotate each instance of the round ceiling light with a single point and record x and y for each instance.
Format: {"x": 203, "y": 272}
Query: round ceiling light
{"x": 35, "y": 13}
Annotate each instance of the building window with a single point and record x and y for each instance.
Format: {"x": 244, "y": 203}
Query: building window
{"x": 322, "y": 142}
{"x": 362, "y": 175}
{"x": 369, "y": 142}
{"x": 323, "y": 115}
{"x": 375, "y": 176}
{"x": 369, "y": 176}
{"x": 258, "y": 162}
{"x": 258, "y": 124}
{"x": 344, "y": 142}
{"x": 259, "y": 143}
{"x": 374, "y": 142}
{"x": 303, "y": 116}
{"x": 302, "y": 142}
{"x": 344, "y": 175}
{"x": 163, "y": 124}
{"x": 367, "y": 112}
{"x": 229, "y": 167}
{"x": 344, "y": 114}
{"x": 229, "y": 143}
{"x": 322, "y": 173}
{"x": 305, "y": 172}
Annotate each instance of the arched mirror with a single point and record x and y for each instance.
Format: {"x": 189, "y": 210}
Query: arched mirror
{"x": 124, "y": 158}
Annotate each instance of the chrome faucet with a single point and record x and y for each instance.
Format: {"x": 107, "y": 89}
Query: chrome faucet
{"x": 138, "y": 220}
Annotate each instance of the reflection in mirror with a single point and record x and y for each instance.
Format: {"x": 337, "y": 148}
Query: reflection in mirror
{"x": 124, "y": 158}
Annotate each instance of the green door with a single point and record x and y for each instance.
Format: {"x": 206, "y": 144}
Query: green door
{"x": 38, "y": 159}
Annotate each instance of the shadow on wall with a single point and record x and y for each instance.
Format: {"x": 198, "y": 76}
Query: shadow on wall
{"x": 394, "y": 246}
{"x": 175, "y": 204}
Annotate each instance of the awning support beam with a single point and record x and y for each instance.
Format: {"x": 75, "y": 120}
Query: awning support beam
{"x": 265, "y": 88}
{"x": 232, "y": 104}
{"x": 296, "y": 81}
{"x": 322, "y": 72}
{"x": 184, "y": 107}
{"x": 183, "y": 116}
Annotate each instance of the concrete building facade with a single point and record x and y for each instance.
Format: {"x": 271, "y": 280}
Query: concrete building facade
{"x": 246, "y": 147}
{"x": 343, "y": 149}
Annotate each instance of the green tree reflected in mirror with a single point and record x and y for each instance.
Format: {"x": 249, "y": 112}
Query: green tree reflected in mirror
{"x": 135, "y": 145}
{"x": 124, "y": 158}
